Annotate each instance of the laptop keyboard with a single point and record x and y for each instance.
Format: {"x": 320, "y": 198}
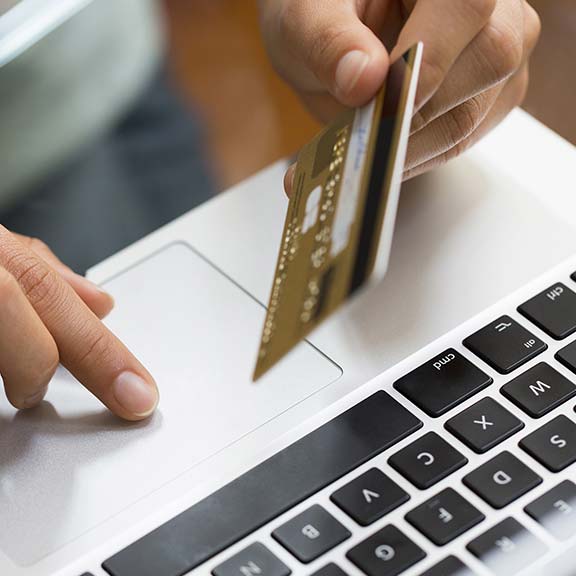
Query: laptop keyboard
{"x": 512, "y": 443}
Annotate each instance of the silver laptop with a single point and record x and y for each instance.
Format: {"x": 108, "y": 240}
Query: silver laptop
{"x": 25, "y": 22}
{"x": 429, "y": 428}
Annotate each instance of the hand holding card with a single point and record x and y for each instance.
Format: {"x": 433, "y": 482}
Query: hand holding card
{"x": 340, "y": 220}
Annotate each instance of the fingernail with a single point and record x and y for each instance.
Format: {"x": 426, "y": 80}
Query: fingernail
{"x": 90, "y": 285}
{"x": 108, "y": 301}
{"x": 350, "y": 69}
{"x": 134, "y": 394}
{"x": 289, "y": 179}
{"x": 108, "y": 304}
{"x": 34, "y": 399}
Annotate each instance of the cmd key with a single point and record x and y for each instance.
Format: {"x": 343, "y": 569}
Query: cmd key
{"x": 442, "y": 383}
{"x": 504, "y": 344}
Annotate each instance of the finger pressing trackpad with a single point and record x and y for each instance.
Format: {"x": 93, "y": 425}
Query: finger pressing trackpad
{"x": 69, "y": 465}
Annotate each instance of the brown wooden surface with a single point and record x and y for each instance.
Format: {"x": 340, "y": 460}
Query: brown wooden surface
{"x": 253, "y": 118}
{"x": 552, "y": 94}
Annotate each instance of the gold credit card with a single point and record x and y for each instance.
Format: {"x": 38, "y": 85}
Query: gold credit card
{"x": 340, "y": 220}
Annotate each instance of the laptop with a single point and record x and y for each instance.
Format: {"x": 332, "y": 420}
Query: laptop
{"x": 25, "y": 22}
{"x": 454, "y": 458}
{"x": 427, "y": 428}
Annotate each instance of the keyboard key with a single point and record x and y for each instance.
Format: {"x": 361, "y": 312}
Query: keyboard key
{"x": 387, "y": 553}
{"x": 269, "y": 489}
{"x": 539, "y": 390}
{"x": 554, "y": 444}
{"x": 507, "y": 548}
{"x": 450, "y": 566}
{"x": 427, "y": 460}
{"x": 442, "y": 383}
{"x": 504, "y": 344}
{"x": 502, "y": 480}
{"x": 311, "y": 534}
{"x": 255, "y": 559}
{"x": 444, "y": 517}
{"x": 330, "y": 570}
{"x": 553, "y": 311}
{"x": 369, "y": 497}
{"x": 556, "y": 510}
{"x": 484, "y": 425}
{"x": 567, "y": 356}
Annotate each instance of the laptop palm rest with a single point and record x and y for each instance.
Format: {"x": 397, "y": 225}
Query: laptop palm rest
{"x": 198, "y": 333}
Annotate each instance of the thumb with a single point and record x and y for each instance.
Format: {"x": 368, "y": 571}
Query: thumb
{"x": 333, "y": 50}
{"x": 289, "y": 180}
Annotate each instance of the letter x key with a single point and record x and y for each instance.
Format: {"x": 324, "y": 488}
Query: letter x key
{"x": 483, "y": 422}
{"x": 483, "y": 425}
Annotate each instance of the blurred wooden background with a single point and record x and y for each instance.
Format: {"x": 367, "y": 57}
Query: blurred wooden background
{"x": 253, "y": 118}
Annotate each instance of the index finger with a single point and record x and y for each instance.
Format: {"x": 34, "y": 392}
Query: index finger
{"x": 87, "y": 348}
{"x": 445, "y": 27}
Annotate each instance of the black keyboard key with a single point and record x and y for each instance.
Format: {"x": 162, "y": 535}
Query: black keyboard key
{"x": 442, "y": 383}
{"x": 502, "y": 480}
{"x": 427, "y": 460}
{"x": 556, "y": 510}
{"x": 255, "y": 559}
{"x": 444, "y": 517}
{"x": 505, "y": 344}
{"x": 554, "y": 444}
{"x": 330, "y": 570}
{"x": 450, "y": 566}
{"x": 248, "y": 502}
{"x": 507, "y": 548}
{"x": 387, "y": 553}
{"x": 311, "y": 534}
{"x": 553, "y": 310}
{"x": 369, "y": 497}
{"x": 484, "y": 425}
{"x": 567, "y": 356}
{"x": 539, "y": 390}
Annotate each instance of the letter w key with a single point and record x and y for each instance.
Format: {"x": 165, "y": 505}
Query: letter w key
{"x": 539, "y": 390}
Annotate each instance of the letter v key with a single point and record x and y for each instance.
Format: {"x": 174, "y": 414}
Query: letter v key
{"x": 369, "y": 495}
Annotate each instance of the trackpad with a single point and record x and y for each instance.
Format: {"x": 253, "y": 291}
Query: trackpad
{"x": 69, "y": 465}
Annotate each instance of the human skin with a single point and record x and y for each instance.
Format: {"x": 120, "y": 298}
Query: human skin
{"x": 50, "y": 315}
{"x": 474, "y": 70}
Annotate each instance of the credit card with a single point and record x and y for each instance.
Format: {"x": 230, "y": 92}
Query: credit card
{"x": 340, "y": 219}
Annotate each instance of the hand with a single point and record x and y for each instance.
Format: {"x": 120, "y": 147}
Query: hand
{"x": 474, "y": 71}
{"x": 49, "y": 314}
